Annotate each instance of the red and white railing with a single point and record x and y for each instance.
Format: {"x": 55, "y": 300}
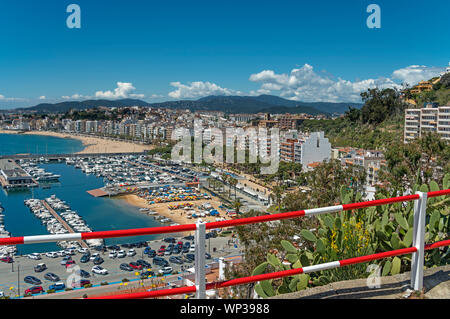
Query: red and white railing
{"x": 418, "y": 247}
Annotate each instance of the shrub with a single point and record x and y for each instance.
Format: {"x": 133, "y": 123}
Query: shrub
{"x": 125, "y": 280}
{"x": 50, "y": 291}
{"x": 105, "y": 283}
{"x": 68, "y": 289}
{"x": 87, "y": 286}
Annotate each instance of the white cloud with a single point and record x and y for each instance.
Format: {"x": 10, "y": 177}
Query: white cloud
{"x": 122, "y": 91}
{"x": 199, "y": 89}
{"x": 75, "y": 96}
{"x": 413, "y": 74}
{"x": 42, "y": 97}
{"x": 11, "y": 99}
{"x": 304, "y": 84}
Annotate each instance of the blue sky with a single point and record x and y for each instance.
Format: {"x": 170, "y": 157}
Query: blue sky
{"x": 163, "y": 50}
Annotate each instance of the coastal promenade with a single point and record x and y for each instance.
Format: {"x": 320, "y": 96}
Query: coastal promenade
{"x": 62, "y": 221}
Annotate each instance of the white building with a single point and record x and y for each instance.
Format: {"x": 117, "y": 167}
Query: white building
{"x": 431, "y": 118}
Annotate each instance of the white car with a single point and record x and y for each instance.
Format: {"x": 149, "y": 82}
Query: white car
{"x": 131, "y": 253}
{"x": 93, "y": 256}
{"x": 166, "y": 270}
{"x": 34, "y": 256}
{"x": 61, "y": 253}
{"x": 113, "y": 254}
{"x": 99, "y": 270}
{"x": 82, "y": 250}
{"x": 51, "y": 254}
{"x": 70, "y": 252}
{"x": 192, "y": 248}
{"x": 121, "y": 254}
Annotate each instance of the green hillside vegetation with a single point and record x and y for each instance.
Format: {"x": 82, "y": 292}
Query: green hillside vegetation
{"x": 440, "y": 92}
{"x": 374, "y": 126}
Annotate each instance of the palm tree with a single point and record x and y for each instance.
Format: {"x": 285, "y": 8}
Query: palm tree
{"x": 276, "y": 195}
{"x": 237, "y": 205}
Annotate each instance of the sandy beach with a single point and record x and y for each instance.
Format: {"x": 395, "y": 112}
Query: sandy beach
{"x": 92, "y": 144}
{"x": 179, "y": 216}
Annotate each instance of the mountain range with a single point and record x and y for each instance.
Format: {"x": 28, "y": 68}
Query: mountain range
{"x": 227, "y": 104}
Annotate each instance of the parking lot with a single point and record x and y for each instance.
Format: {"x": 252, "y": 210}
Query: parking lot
{"x": 12, "y": 275}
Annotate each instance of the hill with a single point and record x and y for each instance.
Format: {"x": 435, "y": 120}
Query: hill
{"x": 227, "y": 104}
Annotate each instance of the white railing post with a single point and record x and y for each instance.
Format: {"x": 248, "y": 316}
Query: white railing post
{"x": 200, "y": 255}
{"x": 417, "y": 260}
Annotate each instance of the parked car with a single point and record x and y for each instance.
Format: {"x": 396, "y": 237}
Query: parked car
{"x": 98, "y": 260}
{"x": 135, "y": 265}
{"x": 7, "y": 259}
{"x": 114, "y": 247}
{"x": 70, "y": 263}
{"x": 131, "y": 253}
{"x": 121, "y": 254}
{"x": 80, "y": 283}
{"x": 168, "y": 252}
{"x": 159, "y": 261}
{"x": 57, "y": 286}
{"x": 126, "y": 267}
{"x": 169, "y": 240}
{"x": 61, "y": 253}
{"x": 192, "y": 249}
{"x": 34, "y": 290}
{"x": 34, "y": 256}
{"x": 175, "y": 260}
{"x": 166, "y": 270}
{"x": 70, "y": 252}
{"x": 93, "y": 256}
{"x": 32, "y": 280}
{"x": 40, "y": 267}
{"x": 144, "y": 244}
{"x": 190, "y": 257}
{"x": 151, "y": 253}
{"x": 65, "y": 260}
{"x": 161, "y": 252}
{"x": 143, "y": 263}
{"x": 190, "y": 237}
{"x": 85, "y": 258}
{"x": 82, "y": 273}
{"x": 51, "y": 276}
{"x": 207, "y": 256}
{"x": 51, "y": 254}
{"x": 99, "y": 270}
{"x": 83, "y": 250}
{"x": 147, "y": 274}
{"x": 112, "y": 254}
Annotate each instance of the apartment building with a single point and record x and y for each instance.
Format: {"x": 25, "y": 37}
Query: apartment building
{"x": 430, "y": 118}
{"x": 304, "y": 148}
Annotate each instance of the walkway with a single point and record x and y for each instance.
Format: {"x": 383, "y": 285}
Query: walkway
{"x": 66, "y": 226}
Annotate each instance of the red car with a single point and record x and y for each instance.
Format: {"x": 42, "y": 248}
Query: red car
{"x": 81, "y": 283}
{"x": 161, "y": 252}
{"x": 34, "y": 290}
{"x": 69, "y": 263}
{"x": 7, "y": 260}
{"x": 135, "y": 265}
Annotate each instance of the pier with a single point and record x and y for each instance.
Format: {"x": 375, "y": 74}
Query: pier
{"x": 66, "y": 226}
